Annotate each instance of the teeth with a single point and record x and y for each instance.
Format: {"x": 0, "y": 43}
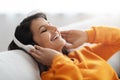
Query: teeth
{"x": 55, "y": 37}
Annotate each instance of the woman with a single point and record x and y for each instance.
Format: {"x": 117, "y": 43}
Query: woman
{"x": 88, "y": 63}
{"x": 31, "y": 31}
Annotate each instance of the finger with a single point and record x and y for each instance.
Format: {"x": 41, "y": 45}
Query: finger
{"x": 38, "y": 60}
{"x": 64, "y": 33}
{"x": 64, "y": 36}
{"x": 69, "y": 39}
{"x": 32, "y": 50}
{"x": 38, "y": 47}
{"x": 36, "y": 53}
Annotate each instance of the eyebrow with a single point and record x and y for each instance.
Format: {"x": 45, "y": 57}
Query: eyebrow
{"x": 41, "y": 26}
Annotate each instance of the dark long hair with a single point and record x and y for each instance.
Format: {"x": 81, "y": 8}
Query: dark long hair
{"x": 23, "y": 32}
{"x": 25, "y": 36}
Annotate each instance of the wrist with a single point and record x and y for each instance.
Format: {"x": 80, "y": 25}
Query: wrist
{"x": 91, "y": 35}
{"x": 86, "y": 36}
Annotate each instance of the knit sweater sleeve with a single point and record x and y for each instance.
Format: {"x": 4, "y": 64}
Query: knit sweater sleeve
{"x": 106, "y": 39}
{"x": 62, "y": 69}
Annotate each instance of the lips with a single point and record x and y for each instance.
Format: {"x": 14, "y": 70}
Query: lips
{"x": 55, "y": 36}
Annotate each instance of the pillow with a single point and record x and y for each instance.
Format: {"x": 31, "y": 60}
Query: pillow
{"x": 18, "y": 65}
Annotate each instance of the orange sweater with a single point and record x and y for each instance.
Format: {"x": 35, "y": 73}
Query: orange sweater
{"x": 88, "y": 63}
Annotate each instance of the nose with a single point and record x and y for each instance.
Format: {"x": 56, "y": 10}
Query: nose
{"x": 53, "y": 28}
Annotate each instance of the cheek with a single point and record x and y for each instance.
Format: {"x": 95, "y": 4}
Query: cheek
{"x": 43, "y": 40}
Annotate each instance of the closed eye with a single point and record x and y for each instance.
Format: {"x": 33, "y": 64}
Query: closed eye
{"x": 43, "y": 30}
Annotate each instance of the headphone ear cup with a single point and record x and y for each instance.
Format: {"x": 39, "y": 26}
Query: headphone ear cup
{"x": 28, "y": 47}
{"x": 21, "y": 45}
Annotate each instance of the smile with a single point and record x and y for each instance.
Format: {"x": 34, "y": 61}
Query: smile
{"x": 55, "y": 37}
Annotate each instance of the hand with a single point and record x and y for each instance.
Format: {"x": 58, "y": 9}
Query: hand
{"x": 75, "y": 38}
{"x": 44, "y": 55}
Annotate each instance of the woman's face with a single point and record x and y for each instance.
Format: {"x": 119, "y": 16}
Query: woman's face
{"x": 46, "y": 35}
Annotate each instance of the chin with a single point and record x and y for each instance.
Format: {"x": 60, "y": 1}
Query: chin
{"x": 63, "y": 41}
{"x": 62, "y": 44}
{"x": 59, "y": 46}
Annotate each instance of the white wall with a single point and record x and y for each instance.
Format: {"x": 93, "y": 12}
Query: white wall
{"x": 57, "y": 6}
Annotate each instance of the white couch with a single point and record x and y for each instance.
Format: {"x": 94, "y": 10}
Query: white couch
{"x": 17, "y": 65}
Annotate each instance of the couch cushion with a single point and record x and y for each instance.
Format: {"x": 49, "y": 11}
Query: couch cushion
{"x": 17, "y": 65}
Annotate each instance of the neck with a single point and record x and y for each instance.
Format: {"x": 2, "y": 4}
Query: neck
{"x": 63, "y": 50}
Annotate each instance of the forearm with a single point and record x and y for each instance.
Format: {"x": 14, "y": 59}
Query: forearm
{"x": 107, "y": 40}
{"x": 62, "y": 68}
{"x": 104, "y": 35}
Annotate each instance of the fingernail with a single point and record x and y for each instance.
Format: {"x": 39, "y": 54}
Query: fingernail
{"x": 32, "y": 50}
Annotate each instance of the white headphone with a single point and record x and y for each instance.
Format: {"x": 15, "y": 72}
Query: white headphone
{"x": 21, "y": 45}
